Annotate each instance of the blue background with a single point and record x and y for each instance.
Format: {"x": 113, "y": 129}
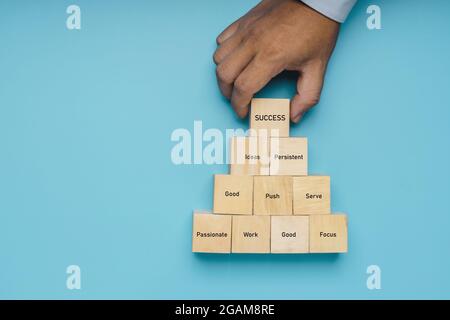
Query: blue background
{"x": 86, "y": 176}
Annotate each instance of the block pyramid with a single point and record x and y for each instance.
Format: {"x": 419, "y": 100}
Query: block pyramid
{"x": 268, "y": 203}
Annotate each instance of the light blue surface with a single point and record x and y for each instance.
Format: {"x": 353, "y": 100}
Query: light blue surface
{"x": 86, "y": 176}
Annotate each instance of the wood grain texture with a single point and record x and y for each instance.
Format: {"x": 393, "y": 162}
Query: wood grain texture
{"x": 233, "y": 194}
{"x": 328, "y": 233}
{"x": 251, "y": 234}
{"x": 289, "y": 234}
{"x": 289, "y": 156}
{"x": 211, "y": 233}
{"x": 249, "y": 156}
{"x": 272, "y": 195}
{"x": 311, "y": 195}
{"x": 269, "y": 117}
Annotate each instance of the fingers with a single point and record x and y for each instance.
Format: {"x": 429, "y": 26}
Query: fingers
{"x": 254, "y": 77}
{"x": 228, "y": 32}
{"x": 309, "y": 87}
{"x": 229, "y": 69}
{"x": 226, "y": 48}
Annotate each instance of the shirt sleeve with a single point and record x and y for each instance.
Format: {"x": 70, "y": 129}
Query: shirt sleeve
{"x": 337, "y": 10}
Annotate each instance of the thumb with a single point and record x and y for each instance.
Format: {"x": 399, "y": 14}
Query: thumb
{"x": 309, "y": 87}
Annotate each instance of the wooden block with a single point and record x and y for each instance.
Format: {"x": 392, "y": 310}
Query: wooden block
{"x": 251, "y": 234}
{"x": 289, "y": 234}
{"x": 269, "y": 117}
{"x": 289, "y": 156}
{"x": 233, "y": 194}
{"x": 249, "y": 156}
{"x": 328, "y": 233}
{"x": 211, "y": 233}
{"x": 272, "y": 195}
{"x": 311, "y": 195}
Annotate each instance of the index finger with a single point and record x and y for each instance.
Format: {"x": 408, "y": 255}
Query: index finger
{"x": 254, "y": 77}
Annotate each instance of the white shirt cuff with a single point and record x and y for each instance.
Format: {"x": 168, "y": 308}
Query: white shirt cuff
{"x": 337, "y": 10}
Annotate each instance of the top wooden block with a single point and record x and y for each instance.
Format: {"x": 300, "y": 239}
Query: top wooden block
{"x": 269, "y": 117}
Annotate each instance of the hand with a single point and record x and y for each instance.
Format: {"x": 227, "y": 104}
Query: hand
{"x": 275, "y": 35}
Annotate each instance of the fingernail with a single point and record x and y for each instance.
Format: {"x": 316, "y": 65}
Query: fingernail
{"x": 242, "y": 113}
{"x": 243, "y": 106}
{"x": 296, "y": 119}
